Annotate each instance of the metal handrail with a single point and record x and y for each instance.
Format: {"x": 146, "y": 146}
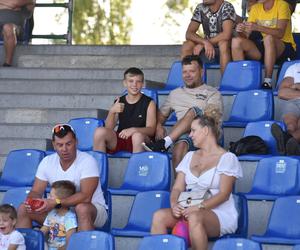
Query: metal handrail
{"x": 70, "y": 6}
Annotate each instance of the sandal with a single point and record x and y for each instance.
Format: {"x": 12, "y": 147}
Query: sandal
{"x": 266, "y": 85}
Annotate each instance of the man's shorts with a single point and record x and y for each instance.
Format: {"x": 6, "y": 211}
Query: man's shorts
{"x": 122, "y": 145}
{"x": 101, "y": 217}
{"x": 185, "y": 137}
{"x": 291, "y": 107}
{"x": 288, "y": 54}
{"x": 215, "y": 60}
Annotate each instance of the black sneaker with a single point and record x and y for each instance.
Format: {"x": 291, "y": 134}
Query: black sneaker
{"x": 266, "y": 85}
{"x": 158, "y": 146}
{"x": 292, "y": 147}
{"x": 6, "y": 65}
{"x": 280, "y": 138}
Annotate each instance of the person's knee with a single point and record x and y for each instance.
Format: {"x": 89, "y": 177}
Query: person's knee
{"x": 196, "y": 219}
{"x": 268, "y": 41}
{"x": 187, "y": 47}
{"x": 100, "y": 133}
{"x": 224, "y": 46}
{"x": 137, "y": 137}
{"x": 83, "y": 210}
{"x": 22, "y": 211}
{"x": 236, "y": 43}
{"x": 158, "y": 218}
{"x": 9, "y": 32}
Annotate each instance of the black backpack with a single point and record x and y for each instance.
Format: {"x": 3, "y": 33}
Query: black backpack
{"x": 249, "y": 145}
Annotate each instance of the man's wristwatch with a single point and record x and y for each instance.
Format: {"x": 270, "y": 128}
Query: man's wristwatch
{"x": 58, "y": 203}
{"x": 201, "y": 206}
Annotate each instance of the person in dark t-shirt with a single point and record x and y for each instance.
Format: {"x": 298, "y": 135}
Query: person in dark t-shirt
{"x": 136, "y": 114}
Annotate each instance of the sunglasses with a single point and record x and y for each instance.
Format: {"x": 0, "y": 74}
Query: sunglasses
{"x": 59, "y": 128}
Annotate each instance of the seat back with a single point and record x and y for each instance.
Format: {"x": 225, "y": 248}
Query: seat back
{"x": 90, "y": 240}
{"x": 20, "y": 167}
{"x": 263, "y": 130}
{"x": 148, "y": 171}
{"x": 245, "y": 106}
{"x": 102, "y": 161}
{"x": 296, "y": 247}
{"x": 236, "y": 244}
{"x": 16, "y": 196}
{"x": 283, "y": 70}
{"x": 284, "y": 220}
{"x": 277, "y": 176}
{"x": 174, "y": 79}
{"x": 165, "y": 242}
{"x": 144, "y": 206}
{"x": 242, "y": 209}
{"x": 34, "y": 239}
{"x": 84, "y": 129}
{"x": 241, "y": 76}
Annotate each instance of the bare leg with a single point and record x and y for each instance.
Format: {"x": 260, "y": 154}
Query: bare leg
{"x": 273, "y": 49}
{"x": 104, "y": 138}
{"x": 197, "y": 49}
{"x": 187, "y": 49}
{"x": 242, "y": 47}
{"x": 203, "y": 224}
{"x": 162, "y": 220}
{"x": 179, "y": 151}
{"x": 225, "y": 56}
{"x": 137, "y": 140}
{"x": 86, "y": 215}
{"x": 183, "y": 125}
{"x": 10, "y": 41}
{"x": 25, "y": 219}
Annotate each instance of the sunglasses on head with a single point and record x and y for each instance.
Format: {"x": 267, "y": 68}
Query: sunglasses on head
{"x": 62, "y": 128}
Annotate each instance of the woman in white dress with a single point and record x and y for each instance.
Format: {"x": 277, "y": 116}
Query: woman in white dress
{"x": 208, "y": 167}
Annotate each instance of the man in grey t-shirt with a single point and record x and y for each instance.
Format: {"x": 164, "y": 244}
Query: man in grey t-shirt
{"x": 217, "y": 18}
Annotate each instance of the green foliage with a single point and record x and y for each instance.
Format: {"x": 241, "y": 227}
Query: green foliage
{"x": 106, "y": 23}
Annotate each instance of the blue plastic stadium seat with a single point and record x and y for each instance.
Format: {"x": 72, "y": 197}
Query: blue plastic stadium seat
{"x": 283, "y": 227}
{"x": 34, "y": 239}
{"x": 16, "y": 196}
{"x": 90, "y": 240}
{"x": 236, "y": 244}
{"x": 274, "y": 177}
{"x": 174, "y": 79}
{"x": 85, "y": 128}
{"x": 142, "y": 210}
{"x": 282, "y": 73}
{"x": 296, "y": 247}
{"x": 263, "y": 130}
{"x": 164, "y": 241}
{"x": 145, "y": 171}
{"x": 102, "y": 161}
{"x": 250, "y": 106}
{"x": 172, "y": 119}
{"x": 241, "y": 76}
{"x": 20, "y": 168}
{"x": 242, "y": 209}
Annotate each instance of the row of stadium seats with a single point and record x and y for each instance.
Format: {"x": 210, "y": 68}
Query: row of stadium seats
{"x": 238, "y": 76}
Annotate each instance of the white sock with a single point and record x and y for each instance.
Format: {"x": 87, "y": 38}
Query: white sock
{"x": 268, "y": 80}
{"x": 168, "y": 141}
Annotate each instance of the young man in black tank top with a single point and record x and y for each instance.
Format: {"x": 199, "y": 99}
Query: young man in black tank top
{"x": 136, "y": 114}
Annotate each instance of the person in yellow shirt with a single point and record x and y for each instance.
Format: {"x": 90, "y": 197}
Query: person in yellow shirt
{"x": 272, "y": 18}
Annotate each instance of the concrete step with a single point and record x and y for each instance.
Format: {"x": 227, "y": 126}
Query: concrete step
{"x": 2, "y": 161}
{"x": 155, "y": 74}
{"x": 116, "y": 50}
{"x": 58, "y": 86}
{"x": 8, "y": 144}
{"x": 94, "y": 61}
{"x": 51, "y": 101}
{"x": 44, "y": 116}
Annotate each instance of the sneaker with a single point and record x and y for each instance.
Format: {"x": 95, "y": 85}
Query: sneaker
{"x": 279, "y": 136}
{"x": 158, "y": 146}
{"x": 292, "y": 147}
{"x": 266, "y": 85}
{"x": 6, "y": 65}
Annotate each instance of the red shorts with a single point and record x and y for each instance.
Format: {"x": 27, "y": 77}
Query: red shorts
{"x": 122, "y": 145}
